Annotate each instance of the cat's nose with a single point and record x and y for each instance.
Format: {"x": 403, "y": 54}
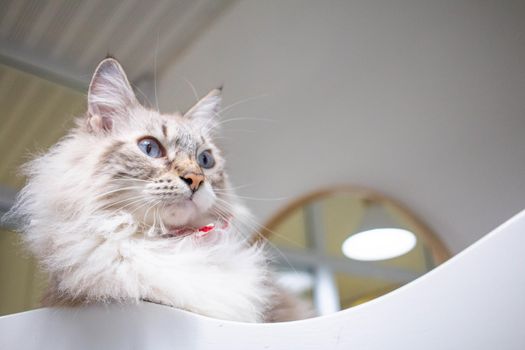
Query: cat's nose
{"x": 193, "y": 180}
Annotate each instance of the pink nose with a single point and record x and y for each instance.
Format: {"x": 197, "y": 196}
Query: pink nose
{"x": 193, "y": 180}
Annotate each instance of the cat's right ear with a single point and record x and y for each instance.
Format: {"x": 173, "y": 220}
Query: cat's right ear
{"x": 110, "y": 95}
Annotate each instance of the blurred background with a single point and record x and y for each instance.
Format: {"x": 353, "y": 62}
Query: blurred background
{"x": 340, "y": 118}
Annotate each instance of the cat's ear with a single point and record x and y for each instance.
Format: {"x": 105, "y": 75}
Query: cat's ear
{"x": 207, "y": 107}
{"x": 109, "y": 96}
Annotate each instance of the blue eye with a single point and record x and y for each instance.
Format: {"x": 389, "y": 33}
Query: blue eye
{"x": 205, "y": 159}
{"x": 151, "y": 147}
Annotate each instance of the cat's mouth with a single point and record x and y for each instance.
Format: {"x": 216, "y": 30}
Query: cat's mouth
{"x": 190, "y": 199}
{"x": 186, "y": 211}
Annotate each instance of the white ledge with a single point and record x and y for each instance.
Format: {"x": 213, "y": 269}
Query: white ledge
{"x": 473, "y": 301}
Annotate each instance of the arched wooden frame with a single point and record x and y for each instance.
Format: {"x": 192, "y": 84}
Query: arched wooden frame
{"x": 437, "y": 248}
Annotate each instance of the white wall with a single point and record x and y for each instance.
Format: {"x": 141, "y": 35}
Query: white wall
{"x": 423, "y": 100}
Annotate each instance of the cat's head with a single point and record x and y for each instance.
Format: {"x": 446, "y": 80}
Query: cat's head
{"x": 163, "y": 168}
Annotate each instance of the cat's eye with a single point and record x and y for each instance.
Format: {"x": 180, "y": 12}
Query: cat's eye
{"x": 151, "y": 147}
{"x": 205, "y": 159}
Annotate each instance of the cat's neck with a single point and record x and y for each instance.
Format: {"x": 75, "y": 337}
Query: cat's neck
{"x": 195, "y": 225}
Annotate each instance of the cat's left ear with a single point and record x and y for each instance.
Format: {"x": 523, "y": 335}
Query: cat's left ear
{"x": 207, "y": 108}
{"x": 110, "y": 95}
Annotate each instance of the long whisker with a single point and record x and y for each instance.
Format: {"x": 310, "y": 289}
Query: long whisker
{"x": 227, "y": 108}
{"x": 129, "y": 179}
{"x": 155, "y": 54}
{"x": 146, "y": 203}
{"x": 271, "y": 244}
{"x": 192, "y": 87}
{"x": 118, "y": 190}
{"x": 234, "y": 188}
{"x": 163, "y": 228}
{"x": 244, "y": 118}
{"x": 256, "y": 226}
{"x": 123, "y": 200}
{"x": 147, "y": 210}
{"x": 229, "y": 194}
{"x": 132, "y": 201}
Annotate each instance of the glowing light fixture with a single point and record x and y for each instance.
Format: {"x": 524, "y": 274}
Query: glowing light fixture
{"x": 379, "y": 244}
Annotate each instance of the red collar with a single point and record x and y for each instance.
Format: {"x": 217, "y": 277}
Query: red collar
{"x": 202, "y": 231}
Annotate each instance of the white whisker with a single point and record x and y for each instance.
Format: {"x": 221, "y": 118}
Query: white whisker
{"x": 227, "y": 108}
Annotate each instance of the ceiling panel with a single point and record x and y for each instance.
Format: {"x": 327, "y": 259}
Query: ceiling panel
{"x": 78, "y": 34}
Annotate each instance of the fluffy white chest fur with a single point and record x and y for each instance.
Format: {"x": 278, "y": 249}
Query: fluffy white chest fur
{"x": 215, "y": 275}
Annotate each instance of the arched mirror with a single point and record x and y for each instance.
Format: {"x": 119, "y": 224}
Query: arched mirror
{"x": 344, "y": 246}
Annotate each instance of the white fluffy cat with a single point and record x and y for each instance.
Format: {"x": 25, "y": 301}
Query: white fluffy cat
{"x": 135, "y": 205}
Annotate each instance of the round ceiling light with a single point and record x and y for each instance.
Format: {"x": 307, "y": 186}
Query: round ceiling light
{"x": 379, "y": 244}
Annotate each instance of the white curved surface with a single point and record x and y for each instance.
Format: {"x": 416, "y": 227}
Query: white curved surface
{"x": 476, "y": 300}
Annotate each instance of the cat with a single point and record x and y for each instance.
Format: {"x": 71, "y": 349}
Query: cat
{"x": 135, "y": 205}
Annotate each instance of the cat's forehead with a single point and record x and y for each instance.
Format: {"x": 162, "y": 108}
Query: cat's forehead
{"x": 175, "y": 131}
